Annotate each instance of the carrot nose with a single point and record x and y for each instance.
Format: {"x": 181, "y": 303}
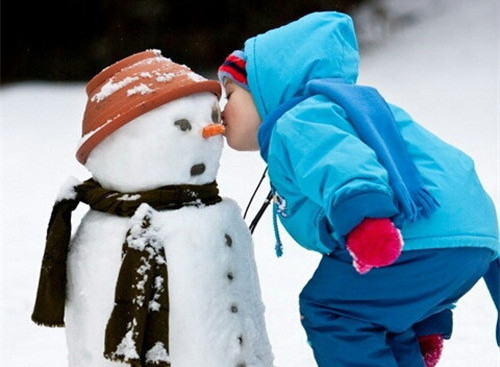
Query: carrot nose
{"x": 212, "y": 130}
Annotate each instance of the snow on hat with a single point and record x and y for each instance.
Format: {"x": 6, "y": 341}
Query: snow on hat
{"x": 234, "y": 68}
{"x": 131, "y": 87}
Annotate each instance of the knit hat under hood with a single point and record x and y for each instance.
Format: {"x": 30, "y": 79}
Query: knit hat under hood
{"x": 234, "y": 68}
{"x": 132, "y": 87}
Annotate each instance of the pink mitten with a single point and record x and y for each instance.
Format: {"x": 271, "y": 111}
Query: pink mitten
{"x": 431, "y": 347}
{"x": 373, "y": 243}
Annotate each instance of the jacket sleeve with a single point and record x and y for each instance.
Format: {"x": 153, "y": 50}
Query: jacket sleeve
{"x": 331, "y": 166}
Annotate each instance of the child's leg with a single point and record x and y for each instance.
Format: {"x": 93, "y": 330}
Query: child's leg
{"x": 405, "y": 348}
{"x": 439, "y": 323}
{"x": 338, "y": 341}
{"x": 431, "y": 333}
{"x": 385, "y": 300}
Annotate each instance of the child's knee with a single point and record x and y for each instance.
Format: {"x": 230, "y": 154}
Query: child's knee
{"x": 305, "y": 309}
{"x": 313, "y": 317}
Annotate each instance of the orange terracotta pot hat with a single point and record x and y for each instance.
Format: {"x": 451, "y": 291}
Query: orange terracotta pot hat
{"x": 132, "y": 87}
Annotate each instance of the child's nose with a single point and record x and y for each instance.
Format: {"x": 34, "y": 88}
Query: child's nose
{"x": 212, "y": 130}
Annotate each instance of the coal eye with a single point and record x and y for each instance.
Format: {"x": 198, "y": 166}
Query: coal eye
{"x": 216, "y": 115}
{"x": 183, "y": 124}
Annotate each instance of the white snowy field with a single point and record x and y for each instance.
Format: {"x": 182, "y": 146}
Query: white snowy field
{"x": 443, "y": 68}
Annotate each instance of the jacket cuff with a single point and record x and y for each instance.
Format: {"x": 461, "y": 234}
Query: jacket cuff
{"x": 349, "y": 213}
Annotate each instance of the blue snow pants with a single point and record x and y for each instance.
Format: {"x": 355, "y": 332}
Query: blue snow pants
{"x": 354, "y": 320}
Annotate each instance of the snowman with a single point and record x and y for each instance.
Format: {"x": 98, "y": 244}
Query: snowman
{"x": 161, "y": 270}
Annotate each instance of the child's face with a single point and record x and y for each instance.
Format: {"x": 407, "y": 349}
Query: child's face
{"x": 240, "y": 117}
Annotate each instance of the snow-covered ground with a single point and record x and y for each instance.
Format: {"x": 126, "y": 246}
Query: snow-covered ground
{"x": 443, "y": 68}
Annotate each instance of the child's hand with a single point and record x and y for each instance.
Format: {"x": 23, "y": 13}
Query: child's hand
{"x": 374, "y": 243}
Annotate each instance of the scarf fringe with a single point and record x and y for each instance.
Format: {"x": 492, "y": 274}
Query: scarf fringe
{"x": 419, "y": 204}
{"x": 425, "y": 202}
{"x": 47, "y": 324}
{"x": 136, "y": 362}
{"x": 119, "y": 358}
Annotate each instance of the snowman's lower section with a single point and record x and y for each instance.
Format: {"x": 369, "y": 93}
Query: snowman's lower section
{"x": 93, "y": 264}
{"x": 216, "y": 308}
{"x": 216, "y": 311}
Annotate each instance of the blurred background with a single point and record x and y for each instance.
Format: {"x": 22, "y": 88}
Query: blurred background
{"x": 63, "y": 40}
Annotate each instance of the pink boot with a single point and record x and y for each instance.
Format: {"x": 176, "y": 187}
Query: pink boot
{"x": 431, "y": 347}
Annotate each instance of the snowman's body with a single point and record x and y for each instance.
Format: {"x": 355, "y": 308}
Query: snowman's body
{"x": 216, "y": 312}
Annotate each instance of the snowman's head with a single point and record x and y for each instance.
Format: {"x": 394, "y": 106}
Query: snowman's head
{"x": 176, "y": 143}
{"x": 145, "y": 125}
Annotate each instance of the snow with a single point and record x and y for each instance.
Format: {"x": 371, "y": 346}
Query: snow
{"x": 165, "y": 77}
{"x": 110, "y": 87}
{"x": 67, "y": 190}
{"x": 128, "y": 197}
{"x": 443, "y": 69}
{"x": 87, "y": 136}
{"x": 157, "y": 353}
{"x": 127, "y": 347}
{"x": 140, "y": 89}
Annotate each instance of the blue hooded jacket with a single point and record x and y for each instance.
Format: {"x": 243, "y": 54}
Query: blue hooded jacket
{"x": 326, "y": 179}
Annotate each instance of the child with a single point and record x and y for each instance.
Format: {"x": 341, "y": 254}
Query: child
{"x": 402, "y": 221}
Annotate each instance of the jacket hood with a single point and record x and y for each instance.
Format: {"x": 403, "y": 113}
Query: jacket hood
{"x": 281, "y": 61}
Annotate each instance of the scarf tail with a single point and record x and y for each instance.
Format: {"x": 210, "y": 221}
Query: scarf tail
{"x": 425, "y": 201}
{"x": 374, "y": 122}
{"x": 50, "y": 299}
{"x": 138, "y": 328}
{"x": 51, "y": 291}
